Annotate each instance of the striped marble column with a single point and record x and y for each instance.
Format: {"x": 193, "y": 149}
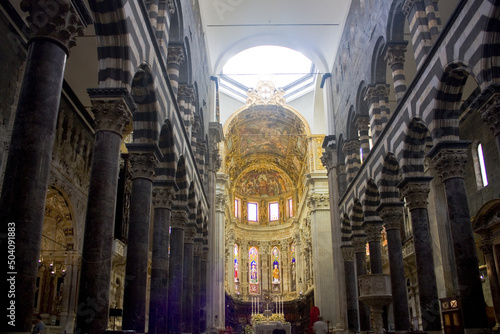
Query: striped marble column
{"x": 372, "y": 100}
{"x": 143, "y": 163}
{"x": 194, "y": 134}
{"x": 204, "y": 280}
{"x": 416, "y": 15}
{"x": 450, "y": 160}
{"x": 188, "y": 277}
{"x": 433, "y": 18}
{"x": 163, "y": 195}
{"x": 382, "y": 91}
{"x": 351, "y": 152}
{"x": 363, "y": 125}
{"x": 165, "y": 10}
{"x": 175, "y": 58}
{"x": 198, "y": 248}
{"x": 392, "y": 214}
{"x": 112, "y": 110}
{"x": 395, "y": 57}
{"x": 416, "y": 190}
{"x": 185, "y": 100}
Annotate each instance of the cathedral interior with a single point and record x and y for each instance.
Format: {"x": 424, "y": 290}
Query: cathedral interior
{"x": 236, "y": 166}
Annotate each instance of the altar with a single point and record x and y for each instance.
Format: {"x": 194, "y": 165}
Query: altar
{"x": 267, "y": 327}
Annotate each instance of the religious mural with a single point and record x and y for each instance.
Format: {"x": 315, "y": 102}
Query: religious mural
{"x": 262, "y": 183}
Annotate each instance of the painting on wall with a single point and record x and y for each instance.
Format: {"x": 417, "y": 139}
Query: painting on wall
{"x": 262, "y": 183}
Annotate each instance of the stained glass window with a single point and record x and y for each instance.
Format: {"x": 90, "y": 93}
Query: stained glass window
{"x": 275, "y": 257}
{"x": 274, "y": 212}
{"x": 253, "y": 264}
{"x": 236, "y": 262}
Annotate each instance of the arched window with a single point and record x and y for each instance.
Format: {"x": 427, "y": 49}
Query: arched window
{"x": 479, "y": 167}
{"x": 253, "y": 270}
{"x": 236, "y": 262}
{"x": 275, "y": 258}
{"x": 482, "y": 166}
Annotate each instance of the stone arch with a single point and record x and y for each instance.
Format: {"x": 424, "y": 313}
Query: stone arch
{"x": 379, "y": 65}
{"x": 361, "y": 105}
{"x": 490, "y": 52}
{"x": 444, "y": 118}
{"x": 346, "y": 230}
{"x": 417, "y": 141}
{"x": 176, "y": 30}
{"x": 166, "y": 170}
{"x": 115, "y": 50}
{"x": 391, "y": 177}
{"x": 357, "y": 219}
{"x": 147, "y": 116}
{"x": 185, "y": 76}
{"x": 181, "y": 196}
{"x": 371, "y": 199}
{"x": 352, "y": 129}
{"x": 396, "y": 22}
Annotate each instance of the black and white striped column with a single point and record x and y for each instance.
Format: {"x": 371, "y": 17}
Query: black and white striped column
{"x": 175, "y": 58}
{"x": 395, "y": 56}
{"x": 419, "y": 29}
{"x": 363, "y": 125}
{"x": 372, "y": 99}
{"x": 351, "y": 152}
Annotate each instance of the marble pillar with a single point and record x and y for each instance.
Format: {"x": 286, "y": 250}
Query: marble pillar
{"x": 187, "y": 278}
{"x": 395, "y": 57}
{"x": 175, "y": 58}
{"x": 196, "y": 288}
{"x": 415, "y": 13}
{"x": 163, "y": 194}
{"x": 203, "y": 290}
{"x": 112, "y": 110}
{"x": 351, "y": 286}
{"x": 176, "y": 267}
{"x": 372, "y": 100}
{"x": 142, "y": 167}
{"x": 416, "y": 190}
{"x": 450, "y": 160}
{"x": 373, "y": 230}
{"x": 352, "y": 160}
{"x": 392, "y": 214}
{"x": 359, "y": 245}
{"x": 24, "y": 189}
{"x": 363, "y": 126}
{"x": 490, "y": 114}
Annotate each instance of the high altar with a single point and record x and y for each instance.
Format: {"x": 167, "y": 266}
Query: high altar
{"x": 269, "y": 326}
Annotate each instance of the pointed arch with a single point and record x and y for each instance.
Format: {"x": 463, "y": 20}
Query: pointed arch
{"x": 391, "y": 177}
{"x": 147, "y": 116}
{"x": 417, "y": 141}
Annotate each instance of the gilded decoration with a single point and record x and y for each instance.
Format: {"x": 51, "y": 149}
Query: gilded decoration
{"x": 262, "y": 182}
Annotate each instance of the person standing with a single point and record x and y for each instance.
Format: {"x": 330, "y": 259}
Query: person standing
{"x": 39, "y": 325}
{"x": 320, "y": 327}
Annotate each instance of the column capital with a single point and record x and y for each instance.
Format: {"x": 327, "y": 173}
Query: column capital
{"x": 486, "y": 246}
{"x": 112, "y": 108}
{"x": 143, "y": 165}
{"x": 179, "y": 219}
{"x": 348, "y": 253}
{"x": 171, "y": 6}
{"x": 359, "y": 244}
{"x": 407, "y": 6}
{"x": 189, "y": 235}
{"x": 56, "y": 20}
{"x": 450, "y": 158}
{"x": 391, "y": 214}
{"x": 186, "y": 93}
{"x": 415, "y": 190}
{"x": 373, "y": 230}
{"x": 175, "y": 54}
{"x": 395, "y": 53}
{"x": 382, "y": 90}
{"x": 362, "y": 122}
{"x": 371, "y": 95}
{"x": 318, "y": 202}
{"x": 220, "y": 202}
{"x": 490, "y": 113}
{"x": 163, "y": 196}
{"x": 351, "y": 145}
{"x": 328, "y": 159}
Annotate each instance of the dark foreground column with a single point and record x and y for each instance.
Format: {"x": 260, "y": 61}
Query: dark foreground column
{"x": 187, "y": 286}
{"x": 450, "y": 159}
{"x": 30, "y": 156}
{"x": 373, "y": 230}
{"x": 196, "y": 287}
{"x": 350, "y": 282}
{"x": 416, "y": 190}
{"x": 112, "y": 111}
{"x": 143, "y": 161}
{"x": 158, "y": 298}
{"x": 391, "y": 214}
{"x": 176, "y": 266}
